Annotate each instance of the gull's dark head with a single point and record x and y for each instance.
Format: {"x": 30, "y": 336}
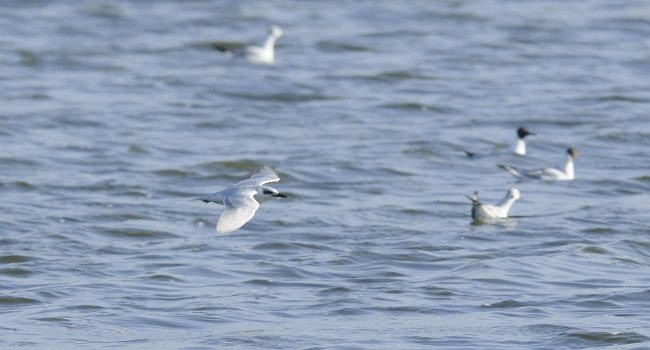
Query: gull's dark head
{"x": 523, "y": 132}
{"x": 573, "y": 152}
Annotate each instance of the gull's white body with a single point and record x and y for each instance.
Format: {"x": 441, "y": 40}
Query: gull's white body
{"x": 266, "y": 52}
{"x": 563, "y": 173}
{"x": 243, "y": 198}
{"x": 497, "y": 211}
{"x": 518, "y": 147}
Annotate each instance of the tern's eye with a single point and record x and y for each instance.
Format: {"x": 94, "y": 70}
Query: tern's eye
{"x": 267, "y": 192}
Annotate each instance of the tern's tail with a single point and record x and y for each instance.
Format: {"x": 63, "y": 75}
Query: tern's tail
{"x": 512, "y": 170}
{"x": 201, "y": 198}
{"x": 216, "y": 197}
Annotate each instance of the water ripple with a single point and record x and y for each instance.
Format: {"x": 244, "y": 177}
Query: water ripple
{"x": 107, "y": 135}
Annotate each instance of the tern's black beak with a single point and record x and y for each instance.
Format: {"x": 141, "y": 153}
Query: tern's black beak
{"x": 280, "y": 195}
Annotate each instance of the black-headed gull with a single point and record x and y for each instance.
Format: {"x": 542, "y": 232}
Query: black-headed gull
{"x": 497, "y": 211}
{"x": 243, "y": 198}
{"x": 564, "y": 173}
{"x": 518, "y": 146}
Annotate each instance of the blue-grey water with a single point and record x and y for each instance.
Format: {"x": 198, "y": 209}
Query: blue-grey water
{"x": 116, "y": 113}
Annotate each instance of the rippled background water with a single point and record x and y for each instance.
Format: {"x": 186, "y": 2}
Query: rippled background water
{"x": 115, "y": 113}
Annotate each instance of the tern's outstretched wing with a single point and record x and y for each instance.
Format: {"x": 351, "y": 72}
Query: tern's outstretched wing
{"x": 240, "y": 208}
{"x": 262, "y": 175}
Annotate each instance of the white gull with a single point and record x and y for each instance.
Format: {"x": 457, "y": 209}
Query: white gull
{"x": 497, "y": 211}
{"x": 563, "y": 173}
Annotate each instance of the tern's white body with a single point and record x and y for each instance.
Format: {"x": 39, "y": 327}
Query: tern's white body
{"x": 497, "y": 211}
{"x": 243, "y": 198}
{"x": 563, "y": 173}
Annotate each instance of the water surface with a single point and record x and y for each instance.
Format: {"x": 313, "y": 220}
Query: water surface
{"x": 115, "y": 114}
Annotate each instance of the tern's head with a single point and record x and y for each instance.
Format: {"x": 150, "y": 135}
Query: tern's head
{"x": 523, "y": 132}
{"x": 514, "y": 193}
{"x": 573, "y": 152}
{"x": 270, "y": 192}
{"x": 275, "y": 31}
